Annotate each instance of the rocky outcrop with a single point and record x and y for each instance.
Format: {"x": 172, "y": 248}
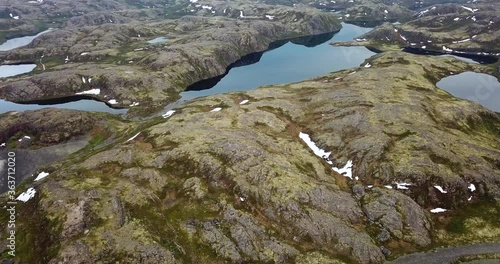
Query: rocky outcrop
{"x": 397, "y": 216}
{"x": 47, "y": 126}
{"x": 117, "y": 59}
{"x": 471, "y": 28}
{"x": 239, "y": 184}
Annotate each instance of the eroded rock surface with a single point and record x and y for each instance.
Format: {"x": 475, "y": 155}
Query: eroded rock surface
{"x": 239, "y": 185}
{"x": 116, "y": 57}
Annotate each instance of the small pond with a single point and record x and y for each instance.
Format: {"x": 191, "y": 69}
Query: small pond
{"x": 473, "y": 86}
{"x": 157, "y": 40}
{"x": 13, "y": 70}
{"x": 20, "y": 42}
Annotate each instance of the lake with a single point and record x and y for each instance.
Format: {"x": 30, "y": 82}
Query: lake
{"x": 20, "y": 42}
{"x": 473, "y": 86}
{"x": 292, "y": 61}
{"x": 76, "y": 103}
{"x": 13, "y": 70}
{"x": 286, "y": 61}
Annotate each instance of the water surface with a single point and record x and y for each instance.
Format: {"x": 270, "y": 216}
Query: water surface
{"x": 285, "y": 62}
{"x": 467, "y": 57}
{"x": 460, "y": 58}
{"x": 157, "y": 40}
{"x": 64, "y": 103}
{"x": 297, "y": 60}
{"x": 20, "y": 42}
{"x": 473, "y": 86}
{"x": 13, "y": 70}
{"x": 76, "y": 102}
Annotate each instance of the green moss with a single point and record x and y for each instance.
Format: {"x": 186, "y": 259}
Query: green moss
{"x": 470, "y": 224}
{"x": 36, "y": 236}
{"x": 456, "y": 225}
{"x": 306, "y": 168}
{"x": 165, "y": 224}
{"x": 279, "y": 112}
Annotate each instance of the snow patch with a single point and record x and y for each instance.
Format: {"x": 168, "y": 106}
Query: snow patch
{"x": 317, "y": 151}
{"x": 447, "y": 49}
{"x": 440, "y": 189}
{"x": 25, "y": 137}
{"x": 462, "y": 41}
{"x": 132, "y": 138}
{"x": 168, "y": 114}
{"x": 346, "y": 170}
{"x": 438, "y": 210}
{"x": 470, "y": 9}
{"x": 27, "y": 195}
{"x": 41, "y": 175}
{"x": 95, "y": 91}
{"x": 217, "y": 109}
{"x": 403, "y": 185}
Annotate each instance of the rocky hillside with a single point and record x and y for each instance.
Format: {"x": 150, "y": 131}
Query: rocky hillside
{"x": 461, "y": 28}
{"x": 113, "y": 53}
{"x": 237, "y": 177}
{"x": 359, "y": 166}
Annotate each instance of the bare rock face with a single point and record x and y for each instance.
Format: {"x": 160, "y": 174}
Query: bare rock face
{"x": 40, "y": 138}
{"x": 253, "y": 239}
{"x": 47, "y": 126}
{"x": 115, "y": 57}
{"x": 240, "y": 185}
{"x": 467, "y": 28}
{"x": 399, "y": 215}
{"x": 195, "y": 187}
{"x": 75, "y": 222}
